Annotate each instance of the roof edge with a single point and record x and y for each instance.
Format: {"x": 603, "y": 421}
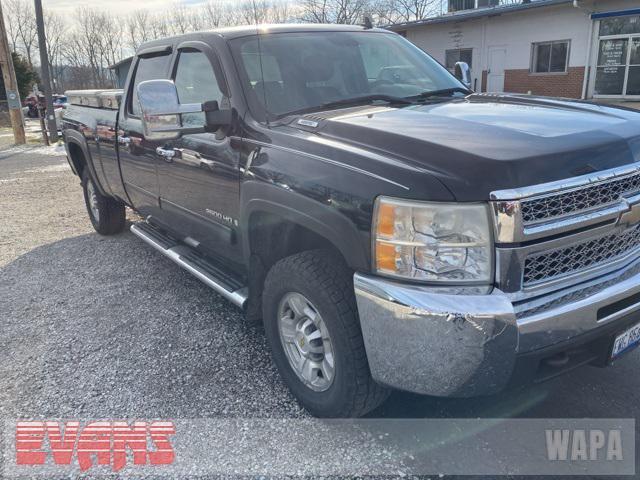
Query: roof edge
{"x": 462, "y": 15}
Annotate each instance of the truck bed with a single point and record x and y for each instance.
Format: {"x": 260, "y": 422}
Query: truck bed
{"x": 91, "y": 119}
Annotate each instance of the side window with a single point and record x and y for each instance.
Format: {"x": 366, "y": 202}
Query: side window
{"x": 148, "y": 68}
{"x": 458, "y": 55}
{"x": 196, "y": 83}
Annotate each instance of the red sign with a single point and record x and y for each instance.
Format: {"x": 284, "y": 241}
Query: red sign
{"x": 95, "y": 443}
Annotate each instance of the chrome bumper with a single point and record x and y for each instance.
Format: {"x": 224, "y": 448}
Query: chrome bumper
{"x": 448, "y": 344}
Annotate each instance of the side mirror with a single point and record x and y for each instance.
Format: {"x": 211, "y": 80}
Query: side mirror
{"x": 162, "y": 110}
{"x": 463, "y": 73}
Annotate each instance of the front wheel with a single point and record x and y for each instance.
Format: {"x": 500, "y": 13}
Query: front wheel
{"x": 107, "y": 214}
{"x": 312, "y": 326}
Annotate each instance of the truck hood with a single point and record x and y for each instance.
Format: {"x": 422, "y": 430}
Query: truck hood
{"x": 484, "y": 143}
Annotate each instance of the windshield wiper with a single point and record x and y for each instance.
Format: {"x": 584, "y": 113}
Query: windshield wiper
{"x": 350, "y": 101}
{"x": 441, "y": 93}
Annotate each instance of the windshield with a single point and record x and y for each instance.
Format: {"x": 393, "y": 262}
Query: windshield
{"x": 300, "y": 71}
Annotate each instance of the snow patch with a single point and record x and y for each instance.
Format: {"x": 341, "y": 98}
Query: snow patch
{"x": 53, "y": 150}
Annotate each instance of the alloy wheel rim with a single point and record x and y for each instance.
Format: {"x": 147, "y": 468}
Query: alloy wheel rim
{"x": 306, "y": 341}
{"x": 93, "y": 200}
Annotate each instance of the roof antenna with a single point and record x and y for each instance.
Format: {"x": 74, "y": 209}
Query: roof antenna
{"x": 368, "y": 25}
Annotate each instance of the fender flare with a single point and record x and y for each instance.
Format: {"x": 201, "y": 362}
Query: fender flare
{"x": 323, "y": 220}
{"x": 76, "y": 138}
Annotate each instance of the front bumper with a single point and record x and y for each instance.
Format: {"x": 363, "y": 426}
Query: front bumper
{"x": 450, "y": 343}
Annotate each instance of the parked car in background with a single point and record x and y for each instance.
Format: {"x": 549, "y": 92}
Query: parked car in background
{"x": 391, "y": 228}
{"x": 33, "y": 103}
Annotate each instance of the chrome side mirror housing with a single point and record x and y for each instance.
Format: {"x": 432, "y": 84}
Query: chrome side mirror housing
{"x": 463, "y": 73}
{"x": 162, "y": 110}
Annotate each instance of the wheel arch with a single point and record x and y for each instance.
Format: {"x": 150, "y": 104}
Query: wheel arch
{"x": 80, "y": 157}
{"x": 322, "y": 220}
{"x": 277, "y": 223}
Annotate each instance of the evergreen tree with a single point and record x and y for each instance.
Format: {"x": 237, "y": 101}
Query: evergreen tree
{"x": 26, "y": 76}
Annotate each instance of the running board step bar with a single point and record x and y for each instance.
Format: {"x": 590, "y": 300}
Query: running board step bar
{"x": 193, "y": 263}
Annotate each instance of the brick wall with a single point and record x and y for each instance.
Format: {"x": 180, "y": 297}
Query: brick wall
{"x": 555, "y": 85}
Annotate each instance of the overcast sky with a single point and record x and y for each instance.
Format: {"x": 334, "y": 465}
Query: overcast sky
{"x": 116, "y": 6}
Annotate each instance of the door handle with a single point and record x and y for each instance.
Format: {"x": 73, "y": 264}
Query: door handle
{"x": 165, "y": 153}
{"x": 191, "y": 157}
{"x": 210, "y": 164}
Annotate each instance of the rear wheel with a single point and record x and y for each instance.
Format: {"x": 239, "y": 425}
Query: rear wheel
{"x": 312, "y": 326}
{"x": 107, "y": 214}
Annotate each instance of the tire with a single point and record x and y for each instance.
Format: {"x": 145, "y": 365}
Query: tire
{"x": 107, "y": 215}
{"x": 322, "y": 280}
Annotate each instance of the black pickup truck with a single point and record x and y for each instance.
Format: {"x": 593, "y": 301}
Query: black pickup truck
{"x": 390, "y": 227}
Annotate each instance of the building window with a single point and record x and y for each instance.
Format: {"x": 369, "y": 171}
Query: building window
{"x": 619, "y": 26}
{"x": 458, "y": 55}
{"x": 550, "y": 57}
{"x": 455, "y": 5}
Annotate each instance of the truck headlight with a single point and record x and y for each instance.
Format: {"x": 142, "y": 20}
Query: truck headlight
{"x": 439, "y": 242}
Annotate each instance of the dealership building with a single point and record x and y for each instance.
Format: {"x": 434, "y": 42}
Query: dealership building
{"x": 577, "y": 49}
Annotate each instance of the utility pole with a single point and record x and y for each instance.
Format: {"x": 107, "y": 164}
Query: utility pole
{"x": 44, "y": 74}
{"x": 11, "y": 85}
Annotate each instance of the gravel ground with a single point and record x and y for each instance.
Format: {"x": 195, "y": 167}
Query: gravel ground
{"x": 112, "y": 318}
{"x": 105, "y": 327}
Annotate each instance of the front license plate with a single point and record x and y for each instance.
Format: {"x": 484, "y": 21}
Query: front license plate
{"x": 626, "y": 341}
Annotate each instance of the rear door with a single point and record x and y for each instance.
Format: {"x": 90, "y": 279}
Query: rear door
{"x": 137, "y": 154}
{"x": 199, "y": 180}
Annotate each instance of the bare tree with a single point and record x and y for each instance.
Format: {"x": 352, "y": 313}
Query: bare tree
{"x": 397, "y": 11}
{"x": 95, "y": 43}
{"x": 212, "y": 13}
{"x": 281, "y": 12}
{"x": 55, "y": 29}
{"x": 137, "y": 28}
{"x": 181, "y": 19}
{"x": 334, "y": 11}
{"x": 81, "y": 51}
{"x": 246, "y": 12}
{"x": 22, "y": 18}
{"x": 12, "y": 23}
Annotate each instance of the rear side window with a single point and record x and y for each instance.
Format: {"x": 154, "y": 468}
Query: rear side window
{"x": 196, "y": 83}
{"x": 149, "y": 68}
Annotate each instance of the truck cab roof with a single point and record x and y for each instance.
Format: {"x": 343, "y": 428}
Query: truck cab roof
{"x": 230, "y": 33}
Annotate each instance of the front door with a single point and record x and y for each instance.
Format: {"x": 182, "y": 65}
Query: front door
{"x": 618, "y": 69}
{"x": 138, "y": 159}
{"x": 495, "y": 70}
{"x": 199, "y": 178}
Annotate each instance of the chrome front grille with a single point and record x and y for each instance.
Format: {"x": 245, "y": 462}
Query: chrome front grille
{"x": 552, "y": 264}
{"x": 560, "y": 234}
{"x": 578, "y": 200}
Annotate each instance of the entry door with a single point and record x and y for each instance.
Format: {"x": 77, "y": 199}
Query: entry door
{"x": 199, "y": 177}
{"x": 618, "y": 69}
{"x": 495, "y": 70}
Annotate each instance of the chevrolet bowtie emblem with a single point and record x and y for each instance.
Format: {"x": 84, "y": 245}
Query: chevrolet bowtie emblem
{"x": 632, "y": 215}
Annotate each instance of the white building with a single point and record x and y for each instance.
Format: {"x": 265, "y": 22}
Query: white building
{"x": 579, "y": 49}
